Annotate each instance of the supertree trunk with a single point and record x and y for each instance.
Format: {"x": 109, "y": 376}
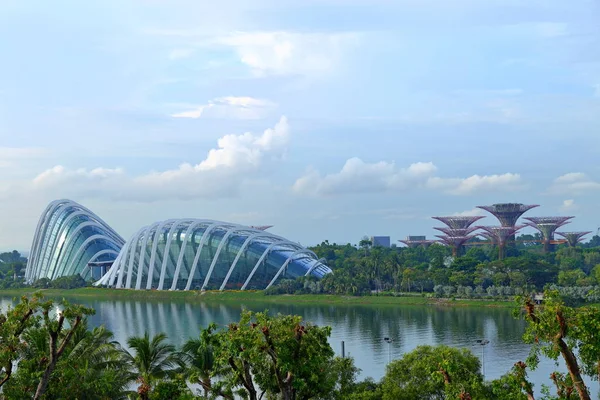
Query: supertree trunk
{"x": 547, "y": 246}
{"x": 501, "y": 251}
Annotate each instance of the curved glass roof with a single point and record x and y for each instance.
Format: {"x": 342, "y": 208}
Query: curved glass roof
{"x": 184, "y": 254}
{"x": 68, "y": 237}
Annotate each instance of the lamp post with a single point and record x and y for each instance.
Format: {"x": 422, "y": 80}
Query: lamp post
{"x": 482, "y": 343}
{"x": 389, "y": 342}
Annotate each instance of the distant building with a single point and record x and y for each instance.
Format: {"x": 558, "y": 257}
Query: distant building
{"x": 416, "y": 238}
{"x": 383, "y": 241}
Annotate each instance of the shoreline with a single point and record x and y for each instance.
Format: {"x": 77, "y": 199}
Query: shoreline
{"x": 256, "y": 297}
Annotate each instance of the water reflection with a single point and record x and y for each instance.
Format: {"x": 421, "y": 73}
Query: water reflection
{"x": 362, "y": 328}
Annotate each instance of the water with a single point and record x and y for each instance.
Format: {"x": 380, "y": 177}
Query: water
{"x": 362, "y": 328}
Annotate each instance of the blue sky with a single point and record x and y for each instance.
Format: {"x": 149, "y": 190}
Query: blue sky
{"x": 330, "y": 119}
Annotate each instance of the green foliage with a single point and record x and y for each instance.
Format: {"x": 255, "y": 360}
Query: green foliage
{"x": 91, "y": 367}
{"x": 150, "y": 359}
{"x": 556, "y": 330}
{"x": 172, "y": 389}
{"x": 513, "y": 385}
{"x": 363, "y": 270}
{"x": 272, "y": 357}
{"x": 279, "y": 355}
{"x": 12, "y": 267}
{"x": 365, "y": 390}
{"x": 433, "y": 372}
{"x": 198, "y": 359}
{"x": 63, "y": 282}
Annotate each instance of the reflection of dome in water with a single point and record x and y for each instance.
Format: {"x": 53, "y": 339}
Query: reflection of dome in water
{"x": 68, "y": 237}
{"x": 186, "y": 254}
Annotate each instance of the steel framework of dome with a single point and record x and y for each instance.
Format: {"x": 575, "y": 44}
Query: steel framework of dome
{"x": 67, "y": 238}
{"x": 184, "y": 254}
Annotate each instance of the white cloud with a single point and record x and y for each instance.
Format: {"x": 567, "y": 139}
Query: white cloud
{"x": 568, "y": 205}
{"x": 221, "y": 174}
{"x": 597, "y": 90}
{"x": 477, "y": 183}
{"x": 573, "y": 183}
{"x": 289, "y": 53}
{"x": 473, "y": 212}
{"x": 230, "y": 107}
{"x": 269, "y": 52}
{"x": 357, "y": 176}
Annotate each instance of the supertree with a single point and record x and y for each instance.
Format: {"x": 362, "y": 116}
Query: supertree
{"x": 459, "y": 222}
{"x": 499, "y": 236}
{"x": 573, "y": 237}
{"x": 457, "y": 231}
{"x": 416, "y": 243}
{"x": 547, "y": 226}
{"x": 508, "y": 213}
{"x": 456, "y": 242}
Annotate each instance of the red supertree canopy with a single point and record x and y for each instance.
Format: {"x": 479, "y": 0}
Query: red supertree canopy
{"x": 459, "y": 222}
{"x": 457, "y": 232}
{"x": 508, "y": 213}
{"x": 573, "y": 237}
{"x": 547, "y": 225}
{"x": 499, "y": 234}
{"x": 417, "y": 243}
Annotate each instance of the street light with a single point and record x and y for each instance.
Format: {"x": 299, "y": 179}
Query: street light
{"x": 389, "y": 342}
{"x": 482, "y": 343}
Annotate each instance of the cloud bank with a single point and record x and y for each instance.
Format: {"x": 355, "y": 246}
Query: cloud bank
{"x": 225, "y": 169}
{"x": 357, "y": 176}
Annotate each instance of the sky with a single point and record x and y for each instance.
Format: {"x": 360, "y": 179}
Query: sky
{"x": 329, "y": 119}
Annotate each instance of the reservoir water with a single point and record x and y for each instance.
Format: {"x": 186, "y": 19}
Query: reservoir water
{"x": 362, "y": 328}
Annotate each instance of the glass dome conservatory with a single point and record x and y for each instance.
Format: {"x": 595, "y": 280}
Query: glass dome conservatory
{"x": 176, "y": 254}
{"x": 184, "y": 254}
{"x": 68, "y": 237}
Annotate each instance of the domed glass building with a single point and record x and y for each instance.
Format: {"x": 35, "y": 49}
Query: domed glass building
{"x": 176, "y": 254}
{"x": 186, "y": 254}
{"x": 67, "y": 239}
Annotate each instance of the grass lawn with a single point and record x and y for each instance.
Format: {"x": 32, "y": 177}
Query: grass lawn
{"x": 254, "y": 296}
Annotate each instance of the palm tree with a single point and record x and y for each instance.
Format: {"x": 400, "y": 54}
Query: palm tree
{"x": 152, "y": 359}
{"x": 199, "y": 358}
{"x": 91, "y": 367}
{"x": 99, "y": 359}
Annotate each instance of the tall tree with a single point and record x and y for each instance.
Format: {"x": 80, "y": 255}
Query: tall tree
{"x": 278, "y": 355}
{"x": 556, "y": 330}
{"x": 12, "y": 325}
{"x": 150, "y": 360}
{"x": 434, "y": 372}
{"x": 198, "y": 356}
{"x": 60, "y": 329}
{"x": 90, "y": 368}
